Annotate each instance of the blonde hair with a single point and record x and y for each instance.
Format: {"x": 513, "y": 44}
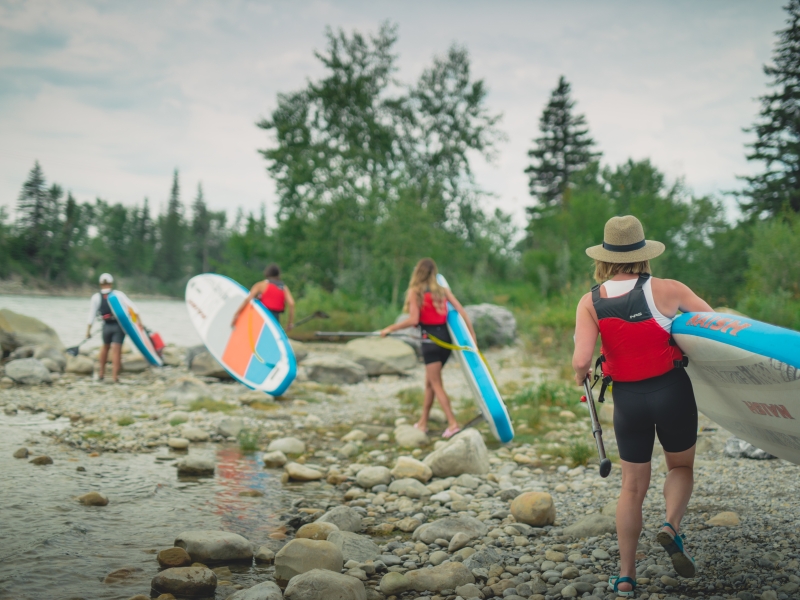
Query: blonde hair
{"x": 603, "y": 271}
{"x": 423, "y": 279}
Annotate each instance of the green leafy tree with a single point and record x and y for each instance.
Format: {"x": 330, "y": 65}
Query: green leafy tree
{"x": 170, "y": 255}
{"x": 777, "y": 132}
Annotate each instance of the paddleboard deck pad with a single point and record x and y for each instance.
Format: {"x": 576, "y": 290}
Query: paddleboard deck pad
{"x": 131, "y": 324}
{"x": 746, "y": 377}
{"x": 480, "y": 380}
{"x": 256, "y": 352}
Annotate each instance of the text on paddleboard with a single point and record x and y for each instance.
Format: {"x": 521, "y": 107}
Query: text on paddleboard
{"x": 717, "y": 323}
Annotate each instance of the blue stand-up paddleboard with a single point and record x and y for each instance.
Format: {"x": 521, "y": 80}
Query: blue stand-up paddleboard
{"x": 132, "y": 325}
{"x": 746, "y": 377}
{"x": 256, "y": 352}
{"x": 480, "y": 380}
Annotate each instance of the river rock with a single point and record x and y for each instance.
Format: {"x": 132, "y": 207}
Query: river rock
{"x": 369, "y": 477}
{"x": 5, "y": 384}
{"x": 447, "y": 527}
{"x": 591, "y": 525}
{"x": 195, "y": 465}
{"x": 447, "y": 576}
{"x": 134, "y": 364}
{"x": 191, "y": 582}
{"x": 483, "y": 559}
{"x": 194, "y": 434}
{"x": 408, "y": 524}
{"x": 21, "y": 453}
{"x": 344, "y": 517}
{"x": 316, "y": 531}
{"x": 265, "y": 555}
{"x": 737, "y": 448}
{"x": 178, "y": 443}
{"x": 28, "y": 371}
{"x": 354, "y": 546}
{"x": 79, "y": 365}
{"x": 330, "y": 368}
{"x": 186, "y": 390}
{"x": 355, "y": 435}
{"x": 458, "y": 541}
{"x": 230, "y": 426}
{"x": 409, "y": 487}
{"x": 205, "y": 365}
{"x": 173, "y": 557}
{"x": 267, "y": 590}
{"x": 121, "y": 574}
{"x": 381, "y": 356}
{"x": 50, "y": 353}
{"x": 287, "y": 445}
{"x": 206, "y": 545}
{"x": 20, "y": 330}
{"x": 303, "y": 555}
{"x": 274, "y": 460}
{"x": 465, "y": 453}
{"x": 41, "y": 460}
{"x": 724, "y": 519}
{"x": 319, "y": 584}
{"x": 299, "y": 472}
{"x": 93, "y": 499}
{"x": 534, "y": 508}
{"x": 407, "y": 436}
{"x": 494, "y": 325}
{"x": 407, "y": 466}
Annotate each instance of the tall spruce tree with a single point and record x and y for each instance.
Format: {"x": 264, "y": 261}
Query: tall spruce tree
{"x": 201, "y": 229}
{"x": 777, "y": 132}
{"x": 563, "y": 148}
{"x": 170, "y": 256}
{"x": 32, "y": 212}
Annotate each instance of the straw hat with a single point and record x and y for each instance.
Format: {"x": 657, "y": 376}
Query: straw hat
{"x": 623, "y": 242}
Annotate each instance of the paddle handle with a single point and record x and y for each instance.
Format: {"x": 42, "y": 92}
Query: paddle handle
{"x": 597, "y": 431}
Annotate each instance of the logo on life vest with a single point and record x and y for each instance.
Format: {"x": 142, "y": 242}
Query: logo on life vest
{"x": 769, "y": 410}
{"x": 636, "y": 315}
{"x": 717, "y": 323}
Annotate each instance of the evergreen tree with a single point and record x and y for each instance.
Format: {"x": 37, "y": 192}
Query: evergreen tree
{"x": 169, "y": 264}
{"x": 777, "y": 142}
{"x": 563, "y": 148}
{"x": 32, "y": 212}
{"x": 201, "y": 229}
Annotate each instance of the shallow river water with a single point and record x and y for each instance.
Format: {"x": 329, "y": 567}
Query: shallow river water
{"x": 53, "y": 547}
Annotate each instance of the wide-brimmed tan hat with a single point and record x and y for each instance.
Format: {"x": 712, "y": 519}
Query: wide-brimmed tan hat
{"x": 623, "y": 242}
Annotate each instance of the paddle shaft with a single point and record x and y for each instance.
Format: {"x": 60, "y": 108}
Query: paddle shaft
{"x": 73, "y": 351}
{"x": 317, "y": 315}
{"x": 597, "y": 431}
{"x": 368, "y": 334}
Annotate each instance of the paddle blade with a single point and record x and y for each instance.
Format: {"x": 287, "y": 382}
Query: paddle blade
{"x": 72, "y": 351}
{"x": 321, "y": 315}
{"x": 605, "y": 467}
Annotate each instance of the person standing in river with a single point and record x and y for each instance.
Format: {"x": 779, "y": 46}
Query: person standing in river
{"x": 113, "y": 335}
{"x": 273, "y": 294}
{"x": 632, "y": 312}
{"x": 426, "y": 305}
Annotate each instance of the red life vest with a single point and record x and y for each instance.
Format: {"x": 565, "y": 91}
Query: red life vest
{"x": 428, "y": 315}
{"x": 274, "y": 296}
{"x": 634, "y": 345}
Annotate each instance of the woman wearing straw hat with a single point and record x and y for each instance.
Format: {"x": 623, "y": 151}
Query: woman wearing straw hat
{"x": 632, "y": 313}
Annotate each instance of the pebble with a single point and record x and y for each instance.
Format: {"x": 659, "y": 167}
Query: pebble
{"x": 21, "y": 453}
{"x": 42, "y": 460}
{"x": 177, "y": 443}
{"x": 299, "y": 472}
{"x": 93, "y": 499}
{"x": 724, "y": 519}
{"x": 173, "y": 557}
{"x": 534, "y": 508}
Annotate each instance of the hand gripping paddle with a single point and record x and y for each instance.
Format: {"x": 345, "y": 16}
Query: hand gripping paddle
{"x": 597, "y": 431}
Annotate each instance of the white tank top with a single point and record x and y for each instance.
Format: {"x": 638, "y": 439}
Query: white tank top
{"x": 620, "y": 288}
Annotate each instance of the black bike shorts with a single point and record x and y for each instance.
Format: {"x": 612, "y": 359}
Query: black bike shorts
{"x": 662, "y": 406}
{"x": 431, "y": 353}
{"x": 113, "y": 333}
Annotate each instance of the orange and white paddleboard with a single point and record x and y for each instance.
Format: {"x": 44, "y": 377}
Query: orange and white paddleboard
{"x": 256, "y": 352}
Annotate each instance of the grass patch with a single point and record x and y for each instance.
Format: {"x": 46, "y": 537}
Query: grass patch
{"x": 97, "y": 435}
{"x": 532, "y": 404}
{"x": 332, "y": 390}
{"x": 264, "y": 406}
{"x": 177, "y": 421}
{"x": 579, "y": 453}
{"x": 125, "y": 420}
{"x": 411, "y": 399}
{"x": 248, "y": 440}
{"x": 210, "y": 405}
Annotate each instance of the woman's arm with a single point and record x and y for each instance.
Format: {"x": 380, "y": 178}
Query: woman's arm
{"x": 254, "y": 291}
{"x": 688, "y": 301}
{"x": 586, "y": 332}
{"x": 411, "y": 321}
{"x": 290, "y": 303}
{"x": 460, "y": 309}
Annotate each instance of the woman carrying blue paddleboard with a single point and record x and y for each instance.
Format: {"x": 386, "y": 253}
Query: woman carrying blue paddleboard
{"x": 273, "y": 294}
{"x": 113, "y": 335}
{"x": 632, "y": 313}
{"x": 426, "y": 305}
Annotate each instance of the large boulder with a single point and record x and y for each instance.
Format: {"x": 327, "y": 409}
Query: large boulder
{"x": 214, "y": 546}
{"x": 447, "y": 527}
{"x": 494, "y": 325}
{"x": 354, "y": 546}
{"x": 344, "y": 517}
{"x": 20, "y": 330}
{"x": 330, "y": 368}
{"x": 205, "y": 365}
{"x": 318, "y": 584}
{"x": 29, "y": 371}
{"x": 303, "y": 555}
{"x": 268, "y": 590}
{"x": 465, "y": 453}
{"x": 382, "y": 356}
{"x": 186, "y": 582}
{"x": 79, "y": 365}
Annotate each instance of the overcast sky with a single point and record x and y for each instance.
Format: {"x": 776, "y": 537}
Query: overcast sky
{"x": 110, "y": 97}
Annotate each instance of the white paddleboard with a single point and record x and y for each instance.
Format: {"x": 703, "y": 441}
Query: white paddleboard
{"x": 132, "y": 325}
{"x": 746, "y": 377}
{"x": 256, "y": 352}
{"x": 480, "y": 380}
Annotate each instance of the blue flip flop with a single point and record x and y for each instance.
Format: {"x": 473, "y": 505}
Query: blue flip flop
{"x": 615, "y": 581}
{"x": 682, "y": 562}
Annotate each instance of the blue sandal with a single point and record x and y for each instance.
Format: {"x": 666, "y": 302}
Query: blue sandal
{"x": 615, "y": 581}
{"x": 682, "y": 562}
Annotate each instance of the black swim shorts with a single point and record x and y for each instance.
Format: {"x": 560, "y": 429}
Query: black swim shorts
{"x": 662, "y": 406}
{"x": 431, "y": 353}
{"x": 113, "y": 333}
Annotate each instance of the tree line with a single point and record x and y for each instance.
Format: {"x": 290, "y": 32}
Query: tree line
{"x": 372, "y": 173}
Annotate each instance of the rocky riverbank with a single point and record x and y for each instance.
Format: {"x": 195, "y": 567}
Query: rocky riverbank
{"x": 383, "y": 511}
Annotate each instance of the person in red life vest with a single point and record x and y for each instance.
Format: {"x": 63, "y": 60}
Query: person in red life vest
{"x": 113, "y": 335}
{"x": 632, "y": 312}
{"x": 426, "y": 305}
{"x": 273, "y": 294}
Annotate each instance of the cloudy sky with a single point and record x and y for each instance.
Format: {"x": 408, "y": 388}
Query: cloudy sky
{"x": 112, "y": 96}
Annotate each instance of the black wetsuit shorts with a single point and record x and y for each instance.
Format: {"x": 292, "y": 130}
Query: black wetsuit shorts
{"x": 113, "y": 333}
{"x": 662, "y": 406}
{"x": 431, "y": 353}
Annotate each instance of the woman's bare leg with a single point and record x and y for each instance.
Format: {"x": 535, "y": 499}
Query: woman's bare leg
{"x": 422, "y": 424}
{"x": 103, "y": 358}
{"x": 116, "y": 361}
{"x": 635, "y": 481}
{"x": 433, "y": 373}
{"x": 678, "y": 485}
